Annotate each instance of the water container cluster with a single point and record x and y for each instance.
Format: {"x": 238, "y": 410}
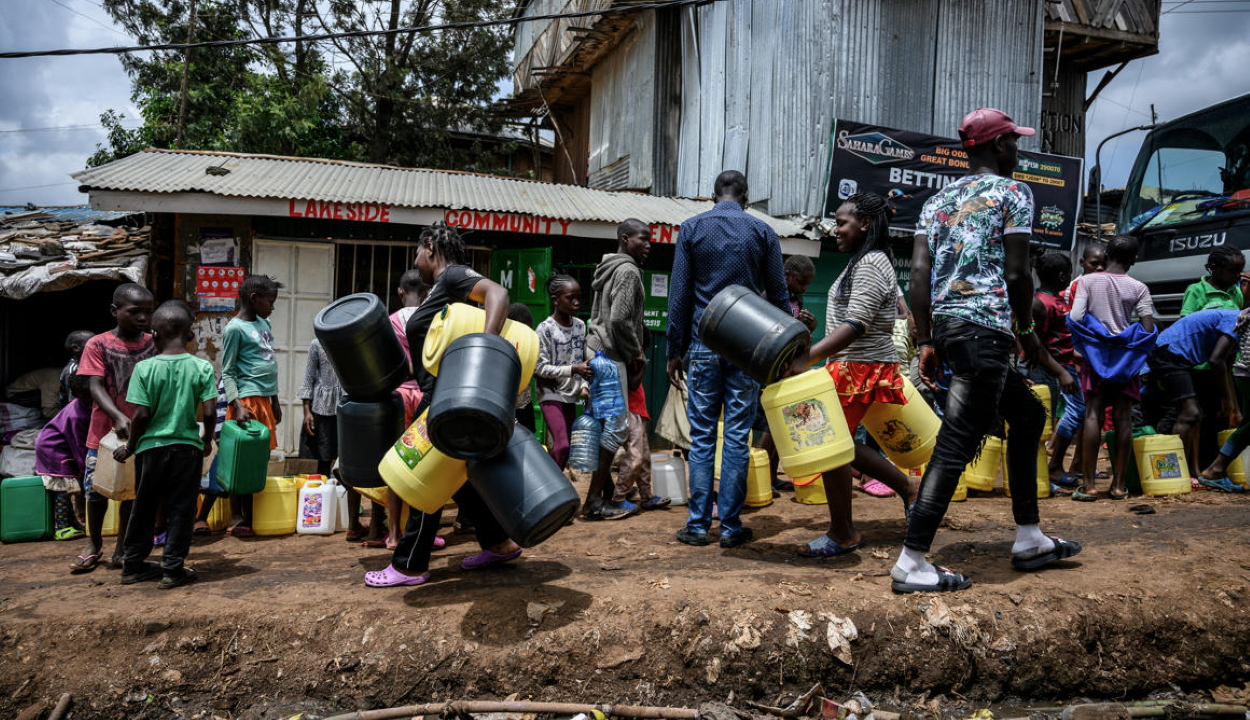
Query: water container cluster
{"x": 804, "y": 412}
{"x": 469, "y": 432}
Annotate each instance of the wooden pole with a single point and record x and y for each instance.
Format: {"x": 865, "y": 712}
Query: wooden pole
{"x": 186, "y": 63}
{"x": 625, "y": 711}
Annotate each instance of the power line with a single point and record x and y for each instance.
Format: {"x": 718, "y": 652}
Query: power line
{"x": 1174, "y": 9}
{"x": 57, "y": 127}
{"x": 354, "y": 33}
{"x": 33, "y": 187}
{"x": 97, "y": 22}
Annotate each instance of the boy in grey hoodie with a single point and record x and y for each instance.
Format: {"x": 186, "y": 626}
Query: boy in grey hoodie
{"x": 616, "y": 329}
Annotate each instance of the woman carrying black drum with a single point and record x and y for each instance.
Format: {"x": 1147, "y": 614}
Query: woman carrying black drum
{"x": 440, "y": 260}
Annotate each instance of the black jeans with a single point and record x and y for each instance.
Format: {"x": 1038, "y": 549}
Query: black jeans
{"x": 167, "y": 476}
{"x": 983, "y": 388}
{"x": 412, "y": 554}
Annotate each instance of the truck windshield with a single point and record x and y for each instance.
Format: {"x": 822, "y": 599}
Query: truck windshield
{"x": 1192, "y": 169}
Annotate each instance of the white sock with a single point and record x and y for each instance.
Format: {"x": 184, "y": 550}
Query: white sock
{"x": 913, "y": 567}
{"x": 1030, "y": 541}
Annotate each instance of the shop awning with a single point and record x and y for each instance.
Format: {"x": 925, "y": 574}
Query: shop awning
{"x": 183, "y": 181}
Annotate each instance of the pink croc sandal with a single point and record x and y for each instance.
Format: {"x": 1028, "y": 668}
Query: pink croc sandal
{"x": 390, "y": 577}
{"x": 876, "y": 488}
{"x": 486, "y": 558}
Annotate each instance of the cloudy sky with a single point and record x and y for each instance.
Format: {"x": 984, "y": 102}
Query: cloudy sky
{"x": 1204, "y": 50}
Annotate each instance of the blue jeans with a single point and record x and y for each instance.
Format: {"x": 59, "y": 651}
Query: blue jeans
{"x": 1073, "y": 409}
{"x": 983, "y": 387}
{"x": 714, "y": 383}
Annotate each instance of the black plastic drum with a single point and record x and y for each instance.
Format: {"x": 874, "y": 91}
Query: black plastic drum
{"x": 356, "y": 334}
{"x": 367, "y": 430}
{"x": 751, "y": 333}
{"x": 474, "y": 404}
{"x": 525, "y": 489}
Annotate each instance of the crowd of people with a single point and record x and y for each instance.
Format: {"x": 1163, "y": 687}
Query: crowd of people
{"x": 977, "y": 335}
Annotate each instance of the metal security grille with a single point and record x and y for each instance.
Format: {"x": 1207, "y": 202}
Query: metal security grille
{"x": 375, "y": 267}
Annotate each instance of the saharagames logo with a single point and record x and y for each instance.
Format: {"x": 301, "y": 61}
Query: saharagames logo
{"x": 874, "y": 147}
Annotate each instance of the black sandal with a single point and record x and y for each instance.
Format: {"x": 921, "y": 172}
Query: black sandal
{"x": 948, "y": 581}
{"x": 1064, "y": 549}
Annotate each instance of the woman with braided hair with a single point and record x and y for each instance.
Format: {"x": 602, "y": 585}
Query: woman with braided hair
{"x": 440, "y": 260}
{"x": 862, "y": 359}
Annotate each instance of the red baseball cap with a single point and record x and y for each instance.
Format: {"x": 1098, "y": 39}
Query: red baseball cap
{"x": 984, "y": 124}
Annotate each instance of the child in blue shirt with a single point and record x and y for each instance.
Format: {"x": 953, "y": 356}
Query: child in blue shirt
{"x": 1206, "y": 336}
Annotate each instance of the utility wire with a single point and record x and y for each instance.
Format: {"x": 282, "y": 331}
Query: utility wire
{"x": 354, "y": 33}
{"x": 96, "y": 126}
{"x": 32, "y": 187}
{"x": 97, "y": 22}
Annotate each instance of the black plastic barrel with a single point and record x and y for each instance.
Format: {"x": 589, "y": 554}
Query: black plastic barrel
{"x": 367, "y": 430}
{"x": 356, "y": 333}
{"x": 751, "y": 333}
{"x": 474, "y": 404}
{"x": 525, "y": 489}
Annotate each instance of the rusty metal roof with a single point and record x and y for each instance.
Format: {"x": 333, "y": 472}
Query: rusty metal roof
{"x": 270, "y": 176}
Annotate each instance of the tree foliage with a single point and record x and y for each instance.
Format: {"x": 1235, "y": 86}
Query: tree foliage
{"x": 403, "y": 98}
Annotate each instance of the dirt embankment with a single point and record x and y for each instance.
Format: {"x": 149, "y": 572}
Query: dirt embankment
{"x": 621, "y": 612}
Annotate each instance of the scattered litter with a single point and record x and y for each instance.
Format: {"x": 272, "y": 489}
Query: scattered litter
{"x": 1142, "y": 509}
{"x": 537, "y": 610}
{"x": 743, "y": 636}
{"x": 839, "y": 634}
{"x": 662, "y": 584}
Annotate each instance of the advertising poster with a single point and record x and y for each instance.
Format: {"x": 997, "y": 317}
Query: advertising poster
{"x": 217, "y": 287}
{"x": 909, "y": 168}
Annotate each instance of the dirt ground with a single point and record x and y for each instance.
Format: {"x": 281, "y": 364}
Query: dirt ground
{"x": 621, "y": 612}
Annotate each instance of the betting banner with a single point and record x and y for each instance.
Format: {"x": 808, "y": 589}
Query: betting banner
{"x": 909, "y": 168}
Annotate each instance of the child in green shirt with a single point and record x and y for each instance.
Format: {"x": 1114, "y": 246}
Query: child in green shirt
{"x": 1223, "y": 287}
{"x": 171, "y": 392}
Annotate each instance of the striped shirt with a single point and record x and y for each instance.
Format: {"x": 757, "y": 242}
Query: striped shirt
{"x": 871, "y": 304}
{"x": 1112, "y": 298}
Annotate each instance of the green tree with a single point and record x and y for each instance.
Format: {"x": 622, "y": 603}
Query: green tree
{"x": 403, "y": 99}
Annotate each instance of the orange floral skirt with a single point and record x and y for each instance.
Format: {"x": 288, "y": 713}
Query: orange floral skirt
{"x": 860, "y": 385}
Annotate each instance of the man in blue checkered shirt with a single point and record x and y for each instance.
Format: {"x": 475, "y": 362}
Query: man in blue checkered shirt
{"x": 721, "y": 247}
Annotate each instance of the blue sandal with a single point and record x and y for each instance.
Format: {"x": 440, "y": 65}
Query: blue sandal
{"x": 1223, "y": 483}
{"x": 824, "y": 547}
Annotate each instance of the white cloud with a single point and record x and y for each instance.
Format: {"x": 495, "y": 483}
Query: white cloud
{"x": 54, "y": 92}
{"x": 1201, "y": 61}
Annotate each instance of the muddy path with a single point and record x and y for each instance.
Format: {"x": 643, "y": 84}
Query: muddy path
{"x": 620, "y": 612}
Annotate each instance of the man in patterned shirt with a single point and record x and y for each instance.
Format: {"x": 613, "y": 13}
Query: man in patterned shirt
{"x": 969, "y": 276}
{"x": 723, "y": 246}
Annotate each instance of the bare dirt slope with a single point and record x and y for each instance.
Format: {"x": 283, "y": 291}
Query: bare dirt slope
{"x": 621, "y": 612}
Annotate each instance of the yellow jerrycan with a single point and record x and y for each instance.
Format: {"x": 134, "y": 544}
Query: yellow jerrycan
{"x": 421, "y": 474}
{"x": 907, "y": 433}
{"x": 1162, "y": 465}
{"x": 759, "y": 485}
{"x": 983, "y": 470}
{"x": 806, "y": 421}
{"x": 1043, "y": 472}
{"x": 459, "y": 319}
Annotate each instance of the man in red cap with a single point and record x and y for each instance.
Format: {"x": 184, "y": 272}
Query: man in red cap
{"x": 972, "y": 296}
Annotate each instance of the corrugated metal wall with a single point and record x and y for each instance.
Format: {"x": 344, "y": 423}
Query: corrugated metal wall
{"x": 989, "y": 53}
{"x": 622, "y": 112}
{"x": 790, "y": 66}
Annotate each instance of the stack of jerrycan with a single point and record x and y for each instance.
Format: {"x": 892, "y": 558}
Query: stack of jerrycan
{"x": 470, "y": 431}
{"x": 356, "y": 334}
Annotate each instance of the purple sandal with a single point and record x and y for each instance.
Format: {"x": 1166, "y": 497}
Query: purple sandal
{"x": 390, "y": 577}
{"x": 486, "y": 558}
